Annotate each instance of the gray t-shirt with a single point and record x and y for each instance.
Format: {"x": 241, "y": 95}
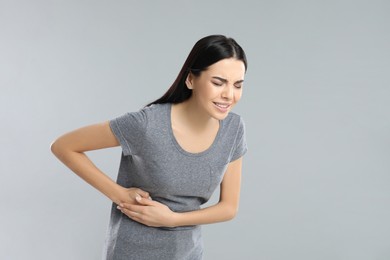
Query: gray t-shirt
{"x": 153, "y": 160}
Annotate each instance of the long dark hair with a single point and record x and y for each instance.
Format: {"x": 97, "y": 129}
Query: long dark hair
{"x": 205, "y": 52}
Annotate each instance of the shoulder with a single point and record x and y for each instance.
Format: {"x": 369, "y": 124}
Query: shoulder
{"x": 234, "y": 120}
{"x": 156, "y": 108}
{"x": 233, "y": 126}
{"x": 143, "y": 115}
{"x": 155, "y": 111}
{"x": 149, "y": 111}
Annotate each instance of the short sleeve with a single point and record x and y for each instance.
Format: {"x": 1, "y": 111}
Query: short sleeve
{"x": 129, "y": 129}
{"x": 240, "y": 147}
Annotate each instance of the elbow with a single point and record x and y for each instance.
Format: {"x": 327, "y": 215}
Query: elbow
{"x": 231, "y": 213}
{"x": 229, "y": 210}
{"x": 56, "y": 148}
{"x": 53, "y": 147}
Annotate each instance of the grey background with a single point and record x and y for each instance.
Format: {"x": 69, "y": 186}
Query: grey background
{"x": 316, "y": 104}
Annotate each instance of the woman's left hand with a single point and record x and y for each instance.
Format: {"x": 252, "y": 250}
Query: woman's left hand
{"x": 149, "y": 212}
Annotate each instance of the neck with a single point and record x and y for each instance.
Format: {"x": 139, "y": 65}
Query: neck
{"x": 192, "y": 115}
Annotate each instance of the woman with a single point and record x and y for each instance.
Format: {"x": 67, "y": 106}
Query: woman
{"x": 176, "y": 151}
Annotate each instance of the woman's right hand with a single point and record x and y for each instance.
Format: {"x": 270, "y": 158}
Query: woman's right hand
{"x": 129, "y": 195}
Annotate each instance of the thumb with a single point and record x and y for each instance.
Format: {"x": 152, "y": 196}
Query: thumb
{"x": 143, "y": 193}
{"x": 143, "y": 201}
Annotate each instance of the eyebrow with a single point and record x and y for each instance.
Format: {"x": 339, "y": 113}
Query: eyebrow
{"x": 225, "y": 80}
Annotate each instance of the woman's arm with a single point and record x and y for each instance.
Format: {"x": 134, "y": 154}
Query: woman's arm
{"x": 227, "y": 206}
{"x": 153, "y": 213}
{"x": 70, "y": 149}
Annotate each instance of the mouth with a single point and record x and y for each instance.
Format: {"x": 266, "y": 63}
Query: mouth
{"x": 222, "y": 106}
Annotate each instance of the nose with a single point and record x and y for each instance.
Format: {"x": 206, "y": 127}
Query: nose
{"x": 227, "y": 92}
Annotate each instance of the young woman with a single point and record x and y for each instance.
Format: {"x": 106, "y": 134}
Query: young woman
{"x": 175, "y": 152}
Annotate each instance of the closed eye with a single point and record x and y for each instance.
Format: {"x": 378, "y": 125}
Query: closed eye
{"x": 217, "y": 83}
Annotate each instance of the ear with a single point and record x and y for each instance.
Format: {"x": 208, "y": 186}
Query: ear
{"x": 189, "y": 80}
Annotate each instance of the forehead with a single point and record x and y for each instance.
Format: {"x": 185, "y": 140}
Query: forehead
{"x": 231, "y": 68}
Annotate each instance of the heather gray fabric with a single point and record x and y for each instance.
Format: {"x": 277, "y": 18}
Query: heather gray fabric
{"x": 153, "y": 161}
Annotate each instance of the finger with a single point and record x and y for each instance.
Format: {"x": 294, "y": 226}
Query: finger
{"x": 136, "y": 216}
{"x": 135, "y": 208}
{"x": 142, "y": 193}
{"x": 137, "y": 197}
{"x": 130, "y": 214}
{"x": 125, "y": 205}
{"x": 145, "y": 202}
{"x": 141, "y": 220}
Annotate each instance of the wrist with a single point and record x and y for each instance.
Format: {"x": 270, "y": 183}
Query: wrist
{"x": 175, "y": 220}
{"x": 118, "y": 194}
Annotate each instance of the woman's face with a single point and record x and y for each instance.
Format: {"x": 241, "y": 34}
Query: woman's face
{"x": 218, "y": 88}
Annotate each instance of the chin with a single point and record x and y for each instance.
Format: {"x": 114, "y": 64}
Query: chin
{"x": 220, "y": 116}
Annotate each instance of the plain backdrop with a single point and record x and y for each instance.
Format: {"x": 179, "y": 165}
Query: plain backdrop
{"x": 316, "y": 104}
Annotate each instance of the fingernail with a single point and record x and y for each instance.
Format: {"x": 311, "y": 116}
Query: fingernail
{"x": 118, "y": 207}
{"x": 138, "y": 198}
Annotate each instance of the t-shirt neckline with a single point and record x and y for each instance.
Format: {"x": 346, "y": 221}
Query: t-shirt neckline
{"x": 176, "y": 143}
